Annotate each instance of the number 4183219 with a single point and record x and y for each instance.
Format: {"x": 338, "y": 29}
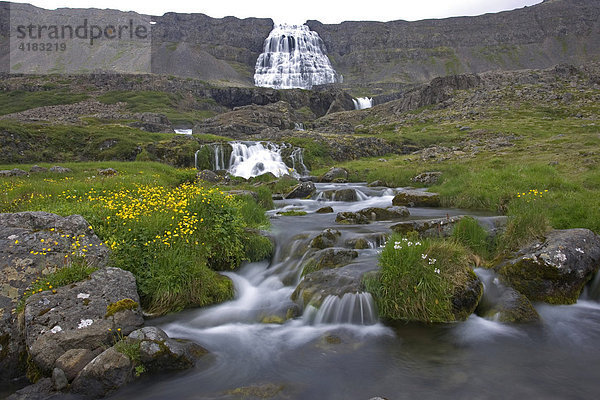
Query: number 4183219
{"x": 42, "y": 46}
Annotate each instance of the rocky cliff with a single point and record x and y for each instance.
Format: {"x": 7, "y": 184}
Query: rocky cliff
{"x": 398, "y": 52}
{"x": 380, "y": 57}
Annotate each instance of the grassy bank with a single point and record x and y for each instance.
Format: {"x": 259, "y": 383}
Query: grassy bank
{"x": 170, "y": 232}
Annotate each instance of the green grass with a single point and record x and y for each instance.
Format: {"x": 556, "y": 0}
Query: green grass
{"x": 468, "y": 232}
{"x": 158, "y": 102}
{"x": 18, "y": 100}
{"x": 418, "y": 278}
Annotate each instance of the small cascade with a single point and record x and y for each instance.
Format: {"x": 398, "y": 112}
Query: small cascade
{"x": 351, "y": 308}
{"x": 219, "y": 152}
{"x": 592, "y": 290}
{"x": 298, "y": 126}
{"x": 293, "y": 57}
{"x": 362, "y": 102}
{"x": 253, "y": 159}
{"x": 297, "y": 159}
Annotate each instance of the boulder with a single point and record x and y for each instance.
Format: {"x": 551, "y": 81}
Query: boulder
{"x": 13, "y": 172}
{"x": 160, "y": 353}
{"x": 108, "y": 172}
{"x": 439, "y": 227}
{"x": 466, "y": 297}
{"x": 327, "y": 238}
{"x": 73, "y": 361}
{"x": 328, "y": 259}
{"x": 104, "y": 374}
{"x": 301, "y": 191}
{"x": 427, "y": 178}
{"x": 335, "y": 175}
{"x": 57, "y": 169}
{"x": 416, "y": 198}
{"x": 244, "y": 193}
{"x": 556, "y": 269}
{"x": 81, "y": 316}
{"x": 341, "y": 195}
{"x": 41, "y": 390}
{"x": 383, "y": 214}
{"x": 59, "y": 379}
{"x": 208, "y": 176}
{"x": 316, "y": 286}
{"x": 325, "y": 210}
{"x": 351, "y": 218}
{"x": 32, "y": 245}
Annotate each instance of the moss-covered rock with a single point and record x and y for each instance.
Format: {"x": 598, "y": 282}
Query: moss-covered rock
{"x": 327, "y": 238}
{"x": 556, "y": 269}
{"x": 416, "y": 198}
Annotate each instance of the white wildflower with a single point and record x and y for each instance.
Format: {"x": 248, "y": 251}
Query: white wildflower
{"x": 12, "y": 237}
{"x": 577, "y": 249}
{"x": 432, "y": 261}
{"x": 83, "y": 295}
{"x": 423, "y": 256}
{"x": 437, "y": 271}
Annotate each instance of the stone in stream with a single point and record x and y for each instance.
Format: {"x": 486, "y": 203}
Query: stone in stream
{"x": 556, "y": 269}
{"x": 348, "y": 195}
{"x": 301, "y": 191}
{"x": 509, "y": 306}
{"x": 351, "y": 218}
{"x": 329, "y": 258}
{"x": 335, "y": 175}
{"x": 416, "y": 198}
{"x": 439, "y": 227}
{"x": 325, "y": 210}
{"x": 327, "y": 238}
{"x": 383, "y": 214}
{"x": 316, "y": 286}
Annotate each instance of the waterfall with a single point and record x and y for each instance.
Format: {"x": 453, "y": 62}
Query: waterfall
{"x": 253, "y": 158}
{"x": 293, "y": 57}
{"x": 351, "y": 308}
{"x": 362, "y": 102}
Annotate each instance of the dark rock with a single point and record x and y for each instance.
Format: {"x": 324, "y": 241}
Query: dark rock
{"x": 59, "y": 379}
{"x": 108, "y": 172}
{"x": 13, "y": 172}
{"x": 328, "y": 259}
{"x": 153, "y": 122}
{"x": 505, "y": 304}
{"x": 351, "y": 218}
{"x": 381, "y": 214}
{"x": 78, "y": 317}
{"x": 316, "y": 286}
{"x": 358, "y": 243}
{"x": 59, "y": 170}
{"x": 104, "y": 374}
{"x": 348, "y": 195}
{"x": 23, "y": 236}
{"x": 556, "y": 269}
{"x": 416, "y": 198}
{"x": 377, "y": 183}
{"x": 209, "y": 176}
{"x": 439, "y": 227}
{"x": 301, "y": 191}
{"x": 466, "y": 297}
{"x": 74, "y": 360}
{"x": 325, "y": 210}
{"x": 158, "y": 352}
{"x": 37, "y": 169}
{"x": 41, "y": 390}
{"x": 427, "y": 178}
{"x": 327, "y": 238}
{"x": 335, "y": 174}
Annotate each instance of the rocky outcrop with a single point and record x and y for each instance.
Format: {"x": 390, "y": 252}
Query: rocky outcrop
{"x": 375, "y": 54}
{"x": 34, "y": 244}
{"x": 367, "y": 215}
{"x": 556, "y": 269}
{"x": 81, "y": 316}
{"x": 347, "y": 195}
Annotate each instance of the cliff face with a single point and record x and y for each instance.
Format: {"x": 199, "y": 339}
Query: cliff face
{"x": 399, "y": 52}
{"x": 380, "y": 57}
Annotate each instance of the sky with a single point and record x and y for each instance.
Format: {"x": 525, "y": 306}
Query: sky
{"x": 297, "y": 12}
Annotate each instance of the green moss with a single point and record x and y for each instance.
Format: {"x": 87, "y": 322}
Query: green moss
{"x": 292, "y": 213}
{"x": 121, "y": 305}
{"x": 17, "y": 100}
{"x": 468, "y": 232}
{"x": 258, "y": 247}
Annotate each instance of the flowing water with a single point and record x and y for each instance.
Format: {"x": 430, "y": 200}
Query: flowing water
{"x": 362, "y": 102}
{"x": 341, "y": 351}
{"x": 293, "y": 57}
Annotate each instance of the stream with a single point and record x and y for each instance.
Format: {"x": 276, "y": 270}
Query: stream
{"x": 342, "y": 352}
